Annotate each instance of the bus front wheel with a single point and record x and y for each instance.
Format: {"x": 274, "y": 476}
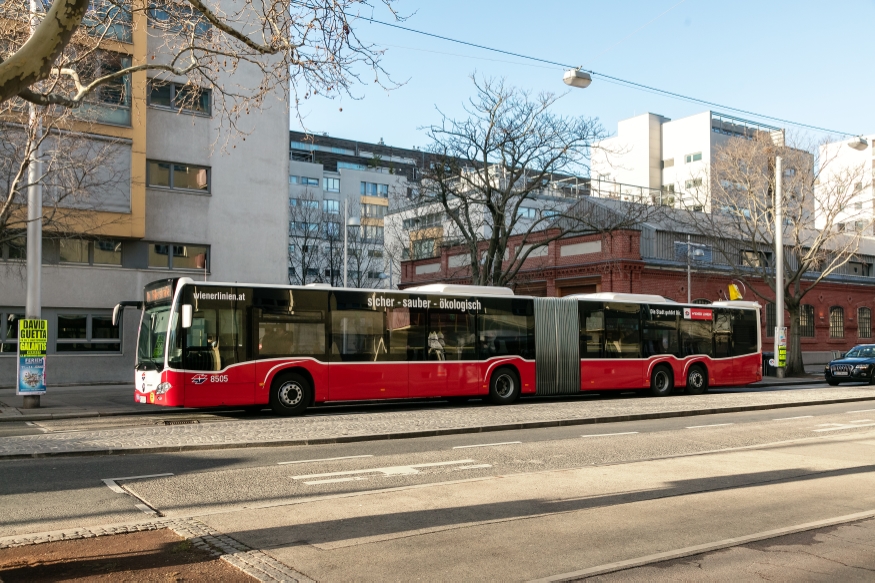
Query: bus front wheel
{"x": 290, "y": 394}
{"x": 661, "y": 382}
{"x": 504, "y": 387}
{"x": 697, "y": 380}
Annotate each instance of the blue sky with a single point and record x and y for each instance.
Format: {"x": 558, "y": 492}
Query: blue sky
{"x": 805, "y": 61}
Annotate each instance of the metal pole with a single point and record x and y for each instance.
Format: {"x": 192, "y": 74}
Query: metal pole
{"x": 345, "y": 235}
{"x": 32, "y": 308}
{"x": 688, "y": 271}
{"x": 779, "y": 260}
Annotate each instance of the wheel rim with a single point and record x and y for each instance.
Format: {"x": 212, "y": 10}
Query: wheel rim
{"x": 661, "y": 381}
{"x": 291, "y": 394}
{"x": 504, "y": 386}
{"x": 696, "y": 379}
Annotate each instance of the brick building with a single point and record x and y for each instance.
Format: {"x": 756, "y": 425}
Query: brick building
{"x": 837, "y": 313}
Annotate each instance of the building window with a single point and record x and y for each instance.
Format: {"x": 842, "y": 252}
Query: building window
{"x": 80, "y": 251}
{"x": 770, "y": 320}
{"x": 174, "y": 256}
{"x": 177, "y": 176}
{"x": 859, "y": 268}
{"x": 693, "y": 157}
{"x": 373, "y": 233}
{"x": 304, "y": 203}
{"x": 693, "y": 183}
{"x": 374, "y": 274}
{"x": 87, "y": 333}
{"x": 423, "y": 222}
{"x": 836, "y": 322}
{"x": 181, "y": 98}
{"x": 374, "y": 189}
{"x": 755, "y": 258}
{"x": 374, "y": 211}
{"x": 293, "y": 179}
{"x": 375, "y": 253}
{"x": 177, "y": 18}
{"x": 9, "y": 330}
{"x": 864, "y": 322}
{"x": 302, "y": 227}
{"x": 526, "y": 213}
{"x": 806, "y": 321}
{"x": 307, "y": 181}
{"x": 331, "y": 206}
{"x": 331, "y": 184}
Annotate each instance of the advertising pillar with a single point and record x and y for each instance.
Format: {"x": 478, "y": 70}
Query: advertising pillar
{"x": 32, "y": 339}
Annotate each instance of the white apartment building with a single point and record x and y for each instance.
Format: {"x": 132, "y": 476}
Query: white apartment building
{"x": 187, "y": 207}
{"x": 655, "y": 153}
{"x": 846, "y": 166}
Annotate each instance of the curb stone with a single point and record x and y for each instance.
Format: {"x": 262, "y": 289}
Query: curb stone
{"x": 253, "y": 562}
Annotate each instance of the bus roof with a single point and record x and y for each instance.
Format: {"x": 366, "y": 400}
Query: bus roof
{"x": 461, "y": 290}
{"x": 621, "y": 297}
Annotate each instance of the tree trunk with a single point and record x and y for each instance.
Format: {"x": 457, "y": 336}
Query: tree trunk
{"x": 794, "y": 343}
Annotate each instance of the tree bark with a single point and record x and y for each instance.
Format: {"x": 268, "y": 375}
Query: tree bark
{"x": 794, "y": 343}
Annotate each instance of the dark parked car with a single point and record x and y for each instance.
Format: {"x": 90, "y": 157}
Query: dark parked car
{"x": 856, "y": 365}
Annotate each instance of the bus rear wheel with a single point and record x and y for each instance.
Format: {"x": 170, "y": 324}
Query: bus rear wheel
{"x": 290, "y": 394}
{"x": 661, "y": 382}
{"x": 697, "y": 380}
{"x": 504, "y": 386}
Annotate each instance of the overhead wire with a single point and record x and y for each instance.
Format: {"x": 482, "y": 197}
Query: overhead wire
{"x": 614, "y": 79}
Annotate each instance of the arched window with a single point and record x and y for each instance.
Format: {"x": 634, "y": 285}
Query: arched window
{"x": 836, "y": 322}
{"x": 702, "y": 301}
{"x": 806, "y": 321}
{"x": 770, "y": 320}
{"x": 864, "y": 322}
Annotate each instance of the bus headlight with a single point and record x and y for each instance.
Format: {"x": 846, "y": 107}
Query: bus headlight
{"x": 163, "y": 388}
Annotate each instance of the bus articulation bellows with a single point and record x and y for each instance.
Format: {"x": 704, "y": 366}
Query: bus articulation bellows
{"x": 206, "y": 344}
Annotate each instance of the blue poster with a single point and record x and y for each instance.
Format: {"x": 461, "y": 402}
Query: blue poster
{"x": 32, "y": 340}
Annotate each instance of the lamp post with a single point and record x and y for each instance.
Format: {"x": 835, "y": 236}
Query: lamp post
{"x": 697, "y": 253}
{"x": 779, "y": 266}
{"x": 347, "y": 223}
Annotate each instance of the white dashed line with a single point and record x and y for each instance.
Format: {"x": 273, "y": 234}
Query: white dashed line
{"x": 789, "y": 418}
{"x": 840, "y": 427}
{"x": 715, "y": 425}
{"x": 327, "y": 459}
{"x": 350, "y": 475}
{"x": 860, "y": 411}
{"x": 487, "y": 444}
{"x": 336, "y": 480}
{"x": 609, "y": 434}
{"x": 474, "y": 467}
{"x": 860, "y": 420}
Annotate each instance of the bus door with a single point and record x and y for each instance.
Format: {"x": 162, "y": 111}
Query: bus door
{"x": 368, "y": 347}
{"x": 623, "y": 366}
{"x": 746, "y": 362}
{"x": 215, "y": 349}
{"x": 449, "y": 365}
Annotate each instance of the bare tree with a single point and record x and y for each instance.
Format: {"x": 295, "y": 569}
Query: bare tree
{"x": 311, "y": 47}
{"x": 306, "y": 233}
{"x": 509, "y": 170}
{"x": 80, "y": 174}
{"x": 821, "y": 231}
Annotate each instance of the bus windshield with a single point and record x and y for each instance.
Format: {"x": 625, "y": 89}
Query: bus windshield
{"x": 153, "y": 332}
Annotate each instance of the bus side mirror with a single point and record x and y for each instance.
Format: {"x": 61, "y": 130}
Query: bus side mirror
{"x": 115, "y": 313}
{"x": 186, "y": 315}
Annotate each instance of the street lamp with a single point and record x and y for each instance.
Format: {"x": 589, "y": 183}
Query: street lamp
{"x": 577, "y": 78}
{"x": 347, "y": 223}
{"x": 859, "y": 143}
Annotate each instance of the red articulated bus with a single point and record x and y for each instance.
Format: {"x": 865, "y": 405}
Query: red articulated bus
{"x": 205, "y": 344}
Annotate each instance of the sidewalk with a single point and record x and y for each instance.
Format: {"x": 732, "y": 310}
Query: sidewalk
{"x": 408, "y": 423}
{"x": 111, "y": 400}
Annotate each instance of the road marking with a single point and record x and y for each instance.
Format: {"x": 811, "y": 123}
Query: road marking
{"x": 146, "y": 509}
{"x": 840, "y": 427}
{"x": 389, "y": 471}
{"x": 112, "y": 485}
{"x": 607, "y": 434}
{"x": 474, "y": 467}
{"x": 336, "y": 480}
{"x": 860, "y": 411}
{"x": 715, "y": 425}
{"x": 789, "y": 418}
{"x": 35, "y": 426}
{"x": 487, "y": 444}
{"x": 325, "y": 459}
{"x": 860, "y": 420}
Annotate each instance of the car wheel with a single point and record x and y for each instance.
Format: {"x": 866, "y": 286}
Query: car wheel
{"x": 697, "y": 380}
{"x": 290, "y": 394}
{"x": 661, "y": 382}
{"x": 504, "y": 387}
{"x": 832, "y": 382}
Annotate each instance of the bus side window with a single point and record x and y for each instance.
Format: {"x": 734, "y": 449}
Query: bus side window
{"x": 592, "y": 329}
{"x": 622, "y": 331}
{"x": 696, "y": 337}
{"x": 660, "y": 335}
{"x": 406, "y": 328}
{"x": 506, "y": 328}
{"x": 722, "y": 333}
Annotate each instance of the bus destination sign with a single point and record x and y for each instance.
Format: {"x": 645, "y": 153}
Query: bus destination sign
{"x": 158, "y": 294}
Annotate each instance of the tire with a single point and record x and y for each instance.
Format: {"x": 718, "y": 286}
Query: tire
{"x": 504, "y": 386}
{"x": 290, "y": 394}
{"x": 697, "y": 380}
{"x": 872, "y": 378}
{"x": 832, "y": 382}
{"x": 661, "y": 382}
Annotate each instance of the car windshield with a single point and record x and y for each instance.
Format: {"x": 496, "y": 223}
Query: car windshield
{"x": 153, "y": 332}
{"x": 861, "y": 352}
